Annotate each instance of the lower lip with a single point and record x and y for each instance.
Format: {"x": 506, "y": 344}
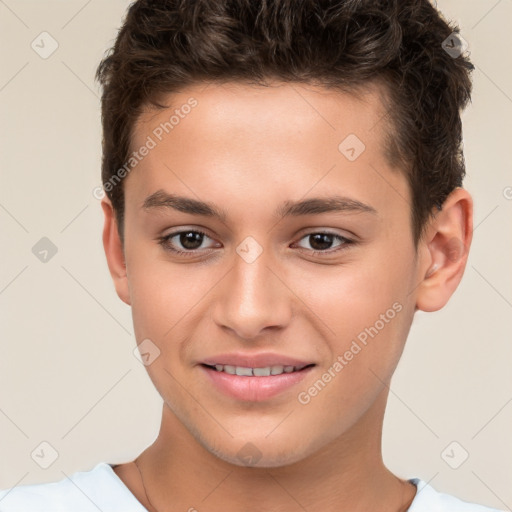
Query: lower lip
{"x": 254, "y": 389}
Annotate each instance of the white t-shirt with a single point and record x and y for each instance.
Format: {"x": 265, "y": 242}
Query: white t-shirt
{"x": 100, "y": 489}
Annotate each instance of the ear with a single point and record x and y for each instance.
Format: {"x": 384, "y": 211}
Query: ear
{"x": 445, "y": 249}
{"x": 114, "y": 252}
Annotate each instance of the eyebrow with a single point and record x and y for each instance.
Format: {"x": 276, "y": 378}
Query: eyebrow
{"x": 314, "y": 206}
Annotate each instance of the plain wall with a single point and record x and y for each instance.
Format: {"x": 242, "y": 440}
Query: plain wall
{"x": 68, "y": 375}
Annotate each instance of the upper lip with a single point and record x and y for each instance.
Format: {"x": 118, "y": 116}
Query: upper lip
{"x": 255, "y": 360}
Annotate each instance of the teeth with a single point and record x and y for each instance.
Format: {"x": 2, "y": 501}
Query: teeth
{"x": 230, "y": 369}
{"x": 256, "y": 372}
{"x": 261, "y": 372}
{"x": 240, "y": 370}
{"x": 276, "y": 370}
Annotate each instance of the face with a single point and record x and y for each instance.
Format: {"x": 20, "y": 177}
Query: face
{"x": 265, "y": 229}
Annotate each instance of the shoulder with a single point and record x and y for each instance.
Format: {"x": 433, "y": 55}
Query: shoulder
{"x": 427, "y": 499}
{"x": 84, "y": 491}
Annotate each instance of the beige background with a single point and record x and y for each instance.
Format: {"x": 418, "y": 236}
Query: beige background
{"x": 67, "y": 372}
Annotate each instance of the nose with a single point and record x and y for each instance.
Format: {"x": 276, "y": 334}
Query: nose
{"x": 253, "y": 299}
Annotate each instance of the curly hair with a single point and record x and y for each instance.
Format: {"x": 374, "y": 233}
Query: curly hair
{"x": 165, "y": 45}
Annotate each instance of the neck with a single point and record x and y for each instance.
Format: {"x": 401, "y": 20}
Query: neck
{"x": 347, "y": 474}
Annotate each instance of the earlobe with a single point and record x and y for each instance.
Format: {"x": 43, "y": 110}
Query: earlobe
{"x": 114, "y": 252}
{"x": 447, "y": 244}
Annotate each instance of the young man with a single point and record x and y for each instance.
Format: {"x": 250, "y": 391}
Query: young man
{"x": 283, "y": 187}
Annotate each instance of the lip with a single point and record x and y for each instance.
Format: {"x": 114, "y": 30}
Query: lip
{"x": 254, "y": 389}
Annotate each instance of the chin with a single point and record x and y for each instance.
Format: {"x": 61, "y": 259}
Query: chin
{"x": 260, "y": 453}
{"x": 253, "y": 457}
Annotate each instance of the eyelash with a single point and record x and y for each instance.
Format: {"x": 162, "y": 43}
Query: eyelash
{"x": 164, "y": 242}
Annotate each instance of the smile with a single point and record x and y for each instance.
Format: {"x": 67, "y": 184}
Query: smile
{"x": 254, "y": 384}
{"x": 256, "y": 372}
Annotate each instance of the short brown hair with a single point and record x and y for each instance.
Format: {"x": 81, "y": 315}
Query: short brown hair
{"x": 165, "y": 45}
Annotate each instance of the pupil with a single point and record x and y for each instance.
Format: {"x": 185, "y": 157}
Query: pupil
{"x": 321, "y": 240}
{"x": 191, "y": 240}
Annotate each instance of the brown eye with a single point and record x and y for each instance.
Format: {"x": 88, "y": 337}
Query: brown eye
{"x": 191, "y": 239}
{"x": 321, "y": 242}
{"x": 186, "y": 242}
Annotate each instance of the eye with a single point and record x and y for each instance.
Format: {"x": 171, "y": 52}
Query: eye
{"x": 322, "y": 242}
{"x": 184, "y": 242}
{"x": 189, "y": 242}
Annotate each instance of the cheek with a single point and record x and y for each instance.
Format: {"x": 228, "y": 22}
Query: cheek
{"x": 162, "y": 292}
{"x": 370, "y": 320}
{"x": 349, "y": 297}
{"x": 363, "y": 311}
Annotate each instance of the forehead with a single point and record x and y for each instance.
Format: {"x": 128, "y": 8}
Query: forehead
{"x": 238, "y": 108}
{"x": 263, "y": 123}
{"x": 235, "y": 141}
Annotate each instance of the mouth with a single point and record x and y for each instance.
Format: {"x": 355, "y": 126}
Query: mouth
{"x": 265, "y": 371}
{"x": 254, "y": 383}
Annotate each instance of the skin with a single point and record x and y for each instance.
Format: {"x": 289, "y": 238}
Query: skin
{"x": 247, "y": 149}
